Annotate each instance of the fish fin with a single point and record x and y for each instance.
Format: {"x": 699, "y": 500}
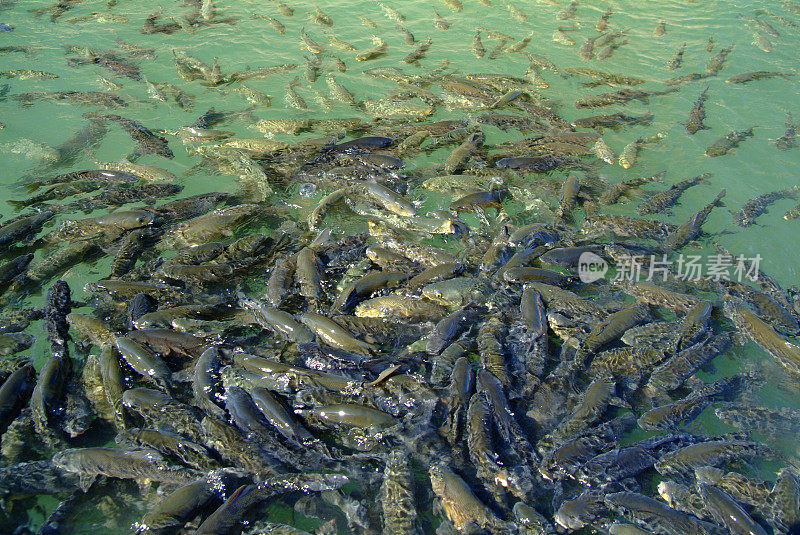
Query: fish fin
{"x": 619, "y": 402}
{"x": 86, "y": 481}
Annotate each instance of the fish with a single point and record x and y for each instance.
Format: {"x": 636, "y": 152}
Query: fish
{"x": 409, "y": 37}
{"x": 392, "y": 13}
{"x": 761, "y": 40}
{"x": 787, "y": 140}
{"x": 603, "y": 151}
{"x": 338, "y": 91}
{"x": 275, "y": 23}
{"x": 419, "y": 53}
{"x": 308, "y": 43}
{"x": 440, "y": 22}
{"x": 697, "y": 114}
{"x": 715, "y": 64}
{"x": 85, "y": 98}
{"x": 691, "y": 229}
{"x": 727, "y": 511}
{"x": 629, "y": 154}
{"x": 568, "y": 11}
{"x": 792, "y": 213}
{"x": 560, "y": 36}
{"x": 28, "y": 74}
{"x": 147, "y": 141}
{"x": 662, "y": 201}
{"x": 326, "y": 323}
{"x": 676, "y": 61}
{"x": 89, "y": 463}
{"x": 746, "y": 77}
{"x": 602, "y": 22}
{"x": 292, "y": 98}
{"x": 460, "y": 504}
{"x": 477, "y": 46}
{"x": 614, "y": 121}
{"x": 619, "y": 97}
{"x": 755, "y": 207}
{"x": 367, "y": 22}
{"x": 319, "y": 17}
{"x": 691, "y": 77}
{"x": 727, "y": 143}
{"x": 654, "y": 515}
{"x": 377, "y": 50}
{"x": 339, "y": 43}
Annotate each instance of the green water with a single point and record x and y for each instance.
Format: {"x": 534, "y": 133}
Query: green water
{"x": 754, "y": 168}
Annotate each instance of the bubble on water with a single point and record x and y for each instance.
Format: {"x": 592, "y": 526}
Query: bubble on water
{"x": 307, "y": 190}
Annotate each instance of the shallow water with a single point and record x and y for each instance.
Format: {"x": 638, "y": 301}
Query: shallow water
{"x": 754, "y": 168}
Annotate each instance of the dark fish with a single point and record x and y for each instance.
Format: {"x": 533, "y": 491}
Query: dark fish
{"x": 692, "y": 228}
{"x": 730, "y": 141}
{"x": 14, "y": 394}
{"x": 537, "y": 164}
{"x": 676, "y": 60}
{"x": 148, "y": 142}
{"x": 697, "y": 114}
{"x": 657, "y": 517}
{"x": 86, "y": 98}
{"x": 745, "y": 77}
{"x": 614, "y": 121}
{"x": 620, "y": 97}
{"x": 13, "y": 268}
{"x": 89, "y": 463}
{"x": 755, "y": 207}
{"x": 691, "y": 77}
{"x": 86, "y": 175}
{"x": 21, "y": 228}
{"x": 662, "y": 201}
{"x": 716, "y": 63}
{"x": 787, "y": 140}
{"x": 449, "y": 328}
{"x": 483, "y": 199}
{"x": 180, "y": 506}
{"x": 228, "y": 518}
{"x": 111, "y": 63}
{"x": 728, "y": 512}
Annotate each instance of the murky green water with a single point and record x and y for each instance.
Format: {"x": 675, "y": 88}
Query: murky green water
{"x": 754, "y": 168}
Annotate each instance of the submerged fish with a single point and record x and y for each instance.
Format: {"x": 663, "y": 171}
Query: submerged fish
{"x": 697, "y": 114}
{"x": 757, "y": 206}
{"x": 730, "y": 141}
